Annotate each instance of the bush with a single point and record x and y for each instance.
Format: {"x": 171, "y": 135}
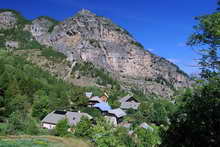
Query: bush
{"x": 61, "y": 128}
{"x": 3, "y": 129}
{"x": 103, "y": 77}
{"x": 31, "y": 127}
{"x": 82, "y": 129}
{"x": 16, "y": 123}
{"x": 196, "y": 123}
{"x": 52, "y": 54}
{"x": 137, "y": 44}
{"x": 147, "y": 138}
{"x": 157, "y": 111}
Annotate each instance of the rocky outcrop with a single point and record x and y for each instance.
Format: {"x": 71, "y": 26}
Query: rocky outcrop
{"x": 7, "y": 20}
{"x": 12, "y": 44}
{"x": 87, "y": 37}
{"x": 90, "y": 38}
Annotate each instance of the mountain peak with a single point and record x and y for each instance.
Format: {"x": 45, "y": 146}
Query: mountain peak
{"x": 86, "y": 12}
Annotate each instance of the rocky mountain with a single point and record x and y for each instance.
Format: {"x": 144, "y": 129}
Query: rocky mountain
{"x": 87, "y": 37}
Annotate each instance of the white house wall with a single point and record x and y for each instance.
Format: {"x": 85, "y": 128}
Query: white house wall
{"x": 49, "y": 126}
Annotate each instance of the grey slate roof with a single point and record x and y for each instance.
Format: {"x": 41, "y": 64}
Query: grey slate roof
{"x": 72, "y": 117}
{"x": 95, "y": 99}
{"x": 117, "y": 112}
{"x": 124, "y": 99}
{"x": 128, "y": 105}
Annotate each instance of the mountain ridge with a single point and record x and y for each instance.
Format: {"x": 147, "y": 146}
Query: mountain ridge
{"x": 87, "y": 37}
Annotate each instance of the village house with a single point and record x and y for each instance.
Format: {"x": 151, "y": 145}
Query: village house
{"x": 129, "y": 102}
{"x": 51, "y": 120}
{"x": 115, "y": 116}
{"x": 94, "y": 100}
{"x": 103, "y": 107}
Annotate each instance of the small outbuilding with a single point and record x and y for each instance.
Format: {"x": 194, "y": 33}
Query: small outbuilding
{"x": 88, "y": 94}
{"x": 51, "y": 120}
{"x": 129, "y": 102}
{"x": 94, "y": 100}
{"x": 117, "y": 113}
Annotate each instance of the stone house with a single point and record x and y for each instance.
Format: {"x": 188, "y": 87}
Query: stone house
{"x": 51, "y": 120}
{"x": 129, "y": 102}
{"x": 115, "y": 115}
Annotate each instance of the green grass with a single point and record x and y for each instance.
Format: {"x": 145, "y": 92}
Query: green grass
{"x": 29, "y": 143}
{"x": 41, "y": 141}
{"x": 51, "y": 54}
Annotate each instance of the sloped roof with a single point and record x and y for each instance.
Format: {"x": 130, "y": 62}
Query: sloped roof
{"x": 72, "y": 117}
{"x": 103, "y": 106}
{"x": 146, "y": 126}
{"x": 53, "y": 118}
{"x": 124, "y": 99}
{"x": 117, "y": 112}
{"x": 128, "y": 105}
{"x": 75, "y": 117}
{"x": 95, "y": 99}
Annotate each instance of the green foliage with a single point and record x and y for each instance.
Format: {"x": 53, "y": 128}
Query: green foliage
{"x": 61, "y": 128}
{"x": 206, "y": 38}
{"x": 137, "y": 44}
{"x": 19, "y": 123}
{"x": 147, "y": 137}
{"x": 3, "y": 129}
{"x": 95, "y": 90}
{"x": 102, "y": 135}
{"x": 53, "y": 21}
{"x": 91, "y": 111}
{"x": 198, "y": 117}
{"x": 78, "y": 99}
{"x": 82, "y": 129}
{"x": 157, "y": 111}
{"x": 24, "y": 38}
{"x": 31, "y": 127}
{"x": 52, "y": 54}
{"x": 114, "y": 95}
{"x": 40, "y": 107}
{"x": 16, "y": 123}
{"x": 21, "y": 21}
{"x": 103, "y": 77}
{"x": 29, "y": 142}
{"x": 26, "y": 88}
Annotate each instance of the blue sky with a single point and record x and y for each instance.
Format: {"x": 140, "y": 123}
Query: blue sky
{"x": 162, "y": 26}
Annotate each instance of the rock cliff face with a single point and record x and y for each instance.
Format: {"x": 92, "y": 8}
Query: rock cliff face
{"x": 7, "y": 20}
{"x": 86, "y": 37}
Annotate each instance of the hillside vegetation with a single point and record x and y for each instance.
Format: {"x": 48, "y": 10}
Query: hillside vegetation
{"x": 29, "y": 91}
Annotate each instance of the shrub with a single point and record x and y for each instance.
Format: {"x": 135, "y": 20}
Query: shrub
{"x": 82, "y": 129}
{"x": 31, "y": 127}
{"x": 52, "y": 54}
{"x": 137, "y": 44}
{"x": 157, "y": 111}
{"x": 61, "y": 128}
{"x": 16, "y": 123}
{"x": 198, "y": 118}
{"x": 147, "y": 138}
